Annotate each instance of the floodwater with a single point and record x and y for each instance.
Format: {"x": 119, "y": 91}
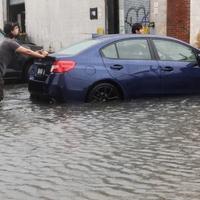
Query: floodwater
{"x": 146, "y": 149}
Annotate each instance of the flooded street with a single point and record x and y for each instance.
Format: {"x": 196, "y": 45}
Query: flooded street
{"x": 147, "y": 149}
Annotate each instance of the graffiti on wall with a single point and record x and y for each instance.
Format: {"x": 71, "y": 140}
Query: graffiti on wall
{"x": 137, "y": 15}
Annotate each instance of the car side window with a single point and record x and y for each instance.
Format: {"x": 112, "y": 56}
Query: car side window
{"x": 134, "y": 49}
{"x": 173, "y": 51}
{"x": 110, "y": 51}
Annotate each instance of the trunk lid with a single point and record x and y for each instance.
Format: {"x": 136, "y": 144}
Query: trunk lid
{"x": 42, "y": 68}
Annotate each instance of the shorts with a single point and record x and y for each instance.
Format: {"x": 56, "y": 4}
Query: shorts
{"x": 1, "y": 88}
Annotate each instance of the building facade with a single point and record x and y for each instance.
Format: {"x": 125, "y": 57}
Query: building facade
{"x": 132, "y": 11}
{"x": 58, "y": 23}
{"x": 158, "y": 13}
{"x": 1, "y": 15}
{"x": 194, "y": 22}
{"x": 55, "y": 24}
{"x": 180, "y": 19}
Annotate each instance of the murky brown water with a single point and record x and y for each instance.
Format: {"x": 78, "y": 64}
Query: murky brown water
{"x": 147, "y": 149}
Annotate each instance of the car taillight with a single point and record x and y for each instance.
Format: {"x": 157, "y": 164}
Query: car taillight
{"x": 62, "y": 66}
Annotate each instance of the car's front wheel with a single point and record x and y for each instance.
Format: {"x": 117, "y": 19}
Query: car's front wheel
{"x": 104, "y": 92}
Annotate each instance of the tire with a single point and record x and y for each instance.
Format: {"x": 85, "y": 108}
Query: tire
{"x": 34, "y": 97}
{"x": 104, "y": 92}
{"x": 1, "y": 88}
{"x": 26, "y": 72}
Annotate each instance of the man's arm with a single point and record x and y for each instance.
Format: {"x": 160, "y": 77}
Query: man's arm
{"x": 28, "y": 52}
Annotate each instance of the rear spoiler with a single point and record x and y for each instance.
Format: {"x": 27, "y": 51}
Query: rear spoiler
{"x": 95, "y": 35}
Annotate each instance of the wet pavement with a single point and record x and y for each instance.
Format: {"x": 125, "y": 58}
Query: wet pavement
{"x": 146, "y": 149}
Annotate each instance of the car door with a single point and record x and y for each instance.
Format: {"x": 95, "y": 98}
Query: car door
{"x": 130, "y": 62}
{"x": 179, "y": 69}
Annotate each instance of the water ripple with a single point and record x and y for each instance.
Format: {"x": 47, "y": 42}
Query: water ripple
{"x": 141, "y": 149}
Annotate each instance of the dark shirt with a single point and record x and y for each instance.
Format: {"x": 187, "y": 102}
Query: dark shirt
{"x": 7, "y": 52}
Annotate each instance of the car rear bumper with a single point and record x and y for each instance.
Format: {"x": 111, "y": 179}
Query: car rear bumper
{"x": 57, "y": 87}
{"x": 42, "y": 90}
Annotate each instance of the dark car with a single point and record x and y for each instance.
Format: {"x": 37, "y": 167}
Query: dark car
{"x": 117, "y": 67}
{"x": 19, "y": 67}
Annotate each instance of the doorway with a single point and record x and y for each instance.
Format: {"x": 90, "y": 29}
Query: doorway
{"x": 16, "y": 13}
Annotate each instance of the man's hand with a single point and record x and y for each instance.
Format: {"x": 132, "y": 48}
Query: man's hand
{"x": 43, "y": 52}
{"x": 29, "y": 52}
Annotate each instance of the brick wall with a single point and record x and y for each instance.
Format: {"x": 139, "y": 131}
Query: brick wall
{"x": 178, "y": 19}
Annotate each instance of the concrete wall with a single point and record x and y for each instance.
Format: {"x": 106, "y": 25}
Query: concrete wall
{"x": 194, "y": 21}
{"x": 1, "y": 14}
{"x": 58, "y": 23}
{"x": 121, "y": 17}
{"x": 158, "y": 15}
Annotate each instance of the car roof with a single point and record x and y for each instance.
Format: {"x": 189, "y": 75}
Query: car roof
{"x": 103, "y": 40}
{"x": 121, "y": 36}
{"x": 113, "y": 37}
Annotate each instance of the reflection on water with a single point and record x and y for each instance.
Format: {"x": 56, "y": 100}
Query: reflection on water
{"x": 142, "y": 149}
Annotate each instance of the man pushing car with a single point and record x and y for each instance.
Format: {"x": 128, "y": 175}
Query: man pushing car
{"x": 8, "y": 47}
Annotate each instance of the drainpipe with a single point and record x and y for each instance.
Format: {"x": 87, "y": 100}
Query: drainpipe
{"x": 8, "y": 9}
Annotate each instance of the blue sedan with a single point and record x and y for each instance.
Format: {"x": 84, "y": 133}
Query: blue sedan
{"x": 114, "y": 67}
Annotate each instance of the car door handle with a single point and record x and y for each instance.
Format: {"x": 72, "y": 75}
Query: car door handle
{"x": 167, "y": 69}
{"x": 117, "y": 67}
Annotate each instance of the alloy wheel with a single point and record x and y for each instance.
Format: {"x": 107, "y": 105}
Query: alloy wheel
{"x": 104, "y": 92}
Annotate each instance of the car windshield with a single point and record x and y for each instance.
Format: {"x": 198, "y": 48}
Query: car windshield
{"x": 78, "y": 47}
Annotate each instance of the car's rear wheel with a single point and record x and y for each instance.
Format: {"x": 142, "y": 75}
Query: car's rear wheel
{"x": 104, "y": 92}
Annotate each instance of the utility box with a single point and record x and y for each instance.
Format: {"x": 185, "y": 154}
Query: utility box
{"x": 93, "y": 13}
